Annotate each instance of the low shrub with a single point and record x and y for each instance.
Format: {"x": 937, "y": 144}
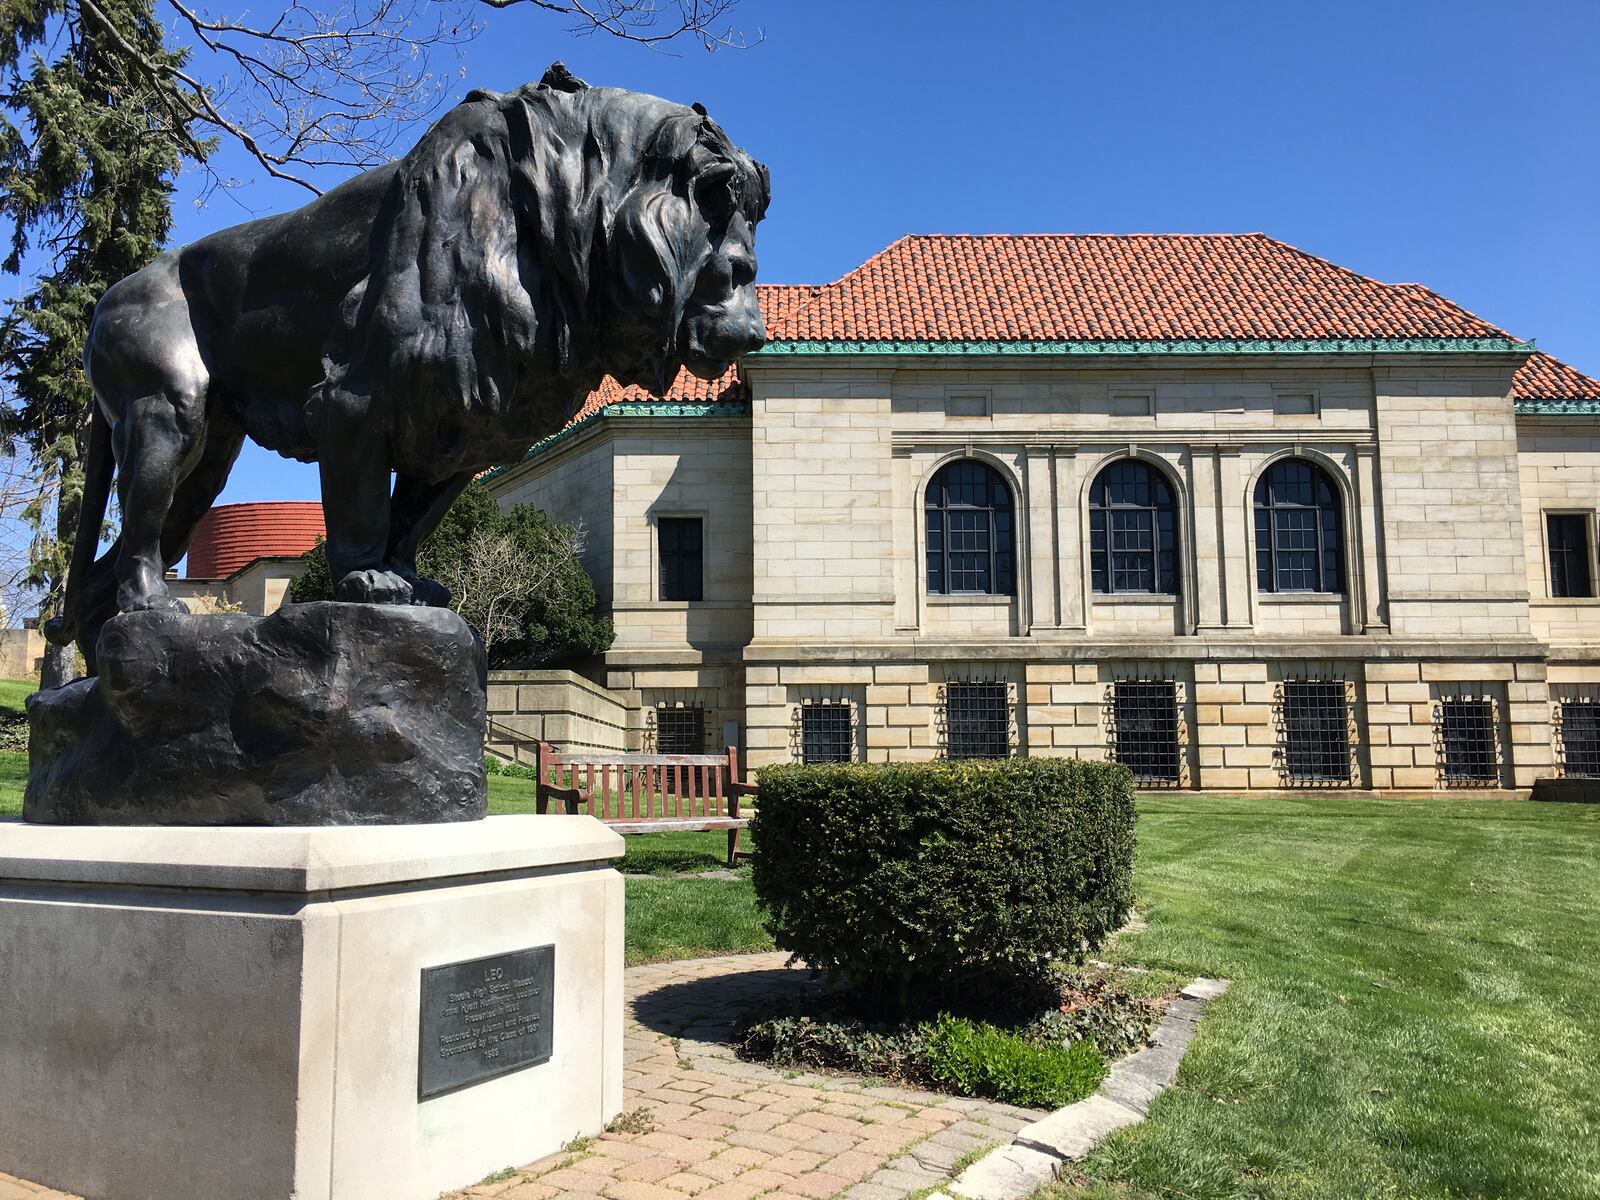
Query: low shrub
{"x": 927, "y": 880}
{"x": 978, "y": 1059}
{"x": 510, "y": 770}
{"x": 14, "y": 732}
{"x": 1093, "y": 1010}
{"x": 841, "y": 1044}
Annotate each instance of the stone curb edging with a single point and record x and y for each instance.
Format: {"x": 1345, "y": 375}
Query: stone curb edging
{"x": 1035, "y": 1157}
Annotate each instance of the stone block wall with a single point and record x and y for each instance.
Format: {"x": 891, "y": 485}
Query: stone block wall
{"x": 1560, "y": 469}
{"x": 715, "y": 687}
{"x": 555, "y": 706}
{"x": 574, "y": 484}
{"x": 824, "y": 504}
{"x": 1452, "y": 506}
{"x": 1230, "y": 713}
{"x": 21, "y": 653}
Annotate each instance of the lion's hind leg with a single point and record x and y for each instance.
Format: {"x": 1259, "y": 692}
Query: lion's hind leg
{"x": 151, "y": 383}
{"x": 158, "y": 441}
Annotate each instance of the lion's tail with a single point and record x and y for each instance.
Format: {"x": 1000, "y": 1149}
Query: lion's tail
{"x": 97, "y": 468}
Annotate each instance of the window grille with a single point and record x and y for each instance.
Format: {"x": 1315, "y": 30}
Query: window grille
{"x": 1297, "y": 529}
{"x": 977, "y": 720}
{"x": 970, "y": 532}
{"x": 826, "y": 732}
{"x": 681, "y": 543}
{"x": 1569, "y": 554}
{"x": 1144, "y": 729}
{"x": 1314, "y": 731}
{"x": 1133, "y": 537}
{"x": 1578, "y": 738}
{"x": 680, "y": 730}
{"x": 1466, "y": 741}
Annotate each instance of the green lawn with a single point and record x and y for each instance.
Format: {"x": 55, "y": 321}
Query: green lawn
{"x": 669, "y": 916}
{"x": 1416, "y": 1000}
{"x": 13, "y": 692}
{"x": 13, "y": 775}
{"x": 1415, "y": 1009}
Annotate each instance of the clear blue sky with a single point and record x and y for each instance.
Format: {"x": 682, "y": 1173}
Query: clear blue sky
{"x": 1452, "y": 143}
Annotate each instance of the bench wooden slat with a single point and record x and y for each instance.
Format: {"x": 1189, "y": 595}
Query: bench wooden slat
{"x": 645, "y": 793}
{"x": 642, "y": 760}
{"x": 687, "y": 825}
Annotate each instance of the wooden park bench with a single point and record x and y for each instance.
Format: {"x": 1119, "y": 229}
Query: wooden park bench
{"x": 648, "y": 793}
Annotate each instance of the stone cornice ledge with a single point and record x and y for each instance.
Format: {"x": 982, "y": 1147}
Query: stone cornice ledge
{"x": 1185, "y": 649}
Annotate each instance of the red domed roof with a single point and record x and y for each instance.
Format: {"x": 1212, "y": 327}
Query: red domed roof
{"x": 232, "y": 536}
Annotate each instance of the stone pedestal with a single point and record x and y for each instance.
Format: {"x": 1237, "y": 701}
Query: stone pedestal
{"x": 242, "y": 1013}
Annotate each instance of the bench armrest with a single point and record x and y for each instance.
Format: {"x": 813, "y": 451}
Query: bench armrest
{"x": 570, "y": 798}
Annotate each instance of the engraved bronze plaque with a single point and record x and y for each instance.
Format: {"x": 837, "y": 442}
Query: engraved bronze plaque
{"x": 485, "y": 1018}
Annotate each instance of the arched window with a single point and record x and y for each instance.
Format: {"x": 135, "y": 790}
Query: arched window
{"x": 1133, "y": 530}
{"x": 1298, "y": 538}
{"x": 970, "y": 532}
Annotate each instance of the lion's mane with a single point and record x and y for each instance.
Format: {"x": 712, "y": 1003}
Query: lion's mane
{"x": 531, "y": 242}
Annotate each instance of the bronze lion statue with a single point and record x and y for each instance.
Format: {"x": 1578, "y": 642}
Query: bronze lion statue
{"x": 431, "y": 318}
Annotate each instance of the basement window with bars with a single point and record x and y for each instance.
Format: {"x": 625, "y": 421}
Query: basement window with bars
{"x": 680, "y": 730}
{"x": 1144, "y": 729}
{"x": 1314, "y": 731}
{"x": 977, "y": 720}
{"x": 1465, "y": 737}
{"x": 827, "y": 733}
{"x": 1578, "y": 724}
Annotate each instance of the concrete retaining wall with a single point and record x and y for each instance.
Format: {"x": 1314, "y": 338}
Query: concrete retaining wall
{"x": 558, "y": 707}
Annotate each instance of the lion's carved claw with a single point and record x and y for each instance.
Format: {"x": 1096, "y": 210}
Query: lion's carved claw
{"x": 373, "y": 587}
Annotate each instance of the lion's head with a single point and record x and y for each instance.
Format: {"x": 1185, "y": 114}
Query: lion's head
{"x": 538, "y": 240}
{"x": 682, "y": 251}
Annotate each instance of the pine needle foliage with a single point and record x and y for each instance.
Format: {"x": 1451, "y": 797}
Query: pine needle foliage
{"x": 92, "y": 135}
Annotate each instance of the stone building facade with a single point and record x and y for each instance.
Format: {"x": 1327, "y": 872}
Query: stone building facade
{"x": 1211, "y": 506}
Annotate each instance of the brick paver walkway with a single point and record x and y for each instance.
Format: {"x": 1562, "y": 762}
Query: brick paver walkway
{"x": 722, "y": 1129}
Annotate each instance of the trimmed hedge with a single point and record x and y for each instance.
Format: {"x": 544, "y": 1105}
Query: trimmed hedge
{"x": 918, "y": 879}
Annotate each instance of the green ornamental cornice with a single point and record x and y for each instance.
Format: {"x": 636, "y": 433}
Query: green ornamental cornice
{"x": 1029, "y": 349}
{"x": 664, "y": 408}
{"x": 1558, "y": 408}
{"x": 634, "y": 408}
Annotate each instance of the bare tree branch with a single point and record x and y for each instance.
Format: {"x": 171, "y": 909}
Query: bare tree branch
{"x": 644, "y": 20}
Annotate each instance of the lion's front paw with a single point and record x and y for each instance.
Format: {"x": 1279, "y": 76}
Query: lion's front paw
{"x": 155, "y": 602}
{"x": 373, "y": 587}
{"x": 429, "y": 592}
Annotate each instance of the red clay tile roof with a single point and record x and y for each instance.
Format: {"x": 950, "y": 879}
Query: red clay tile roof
{"x": 1103, "y": 287}
{"x": 232, "y": 536}
{"x": 1543, "y": 378}
{"x": 685, "y": 389}
{"x": 779, "y": 304}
